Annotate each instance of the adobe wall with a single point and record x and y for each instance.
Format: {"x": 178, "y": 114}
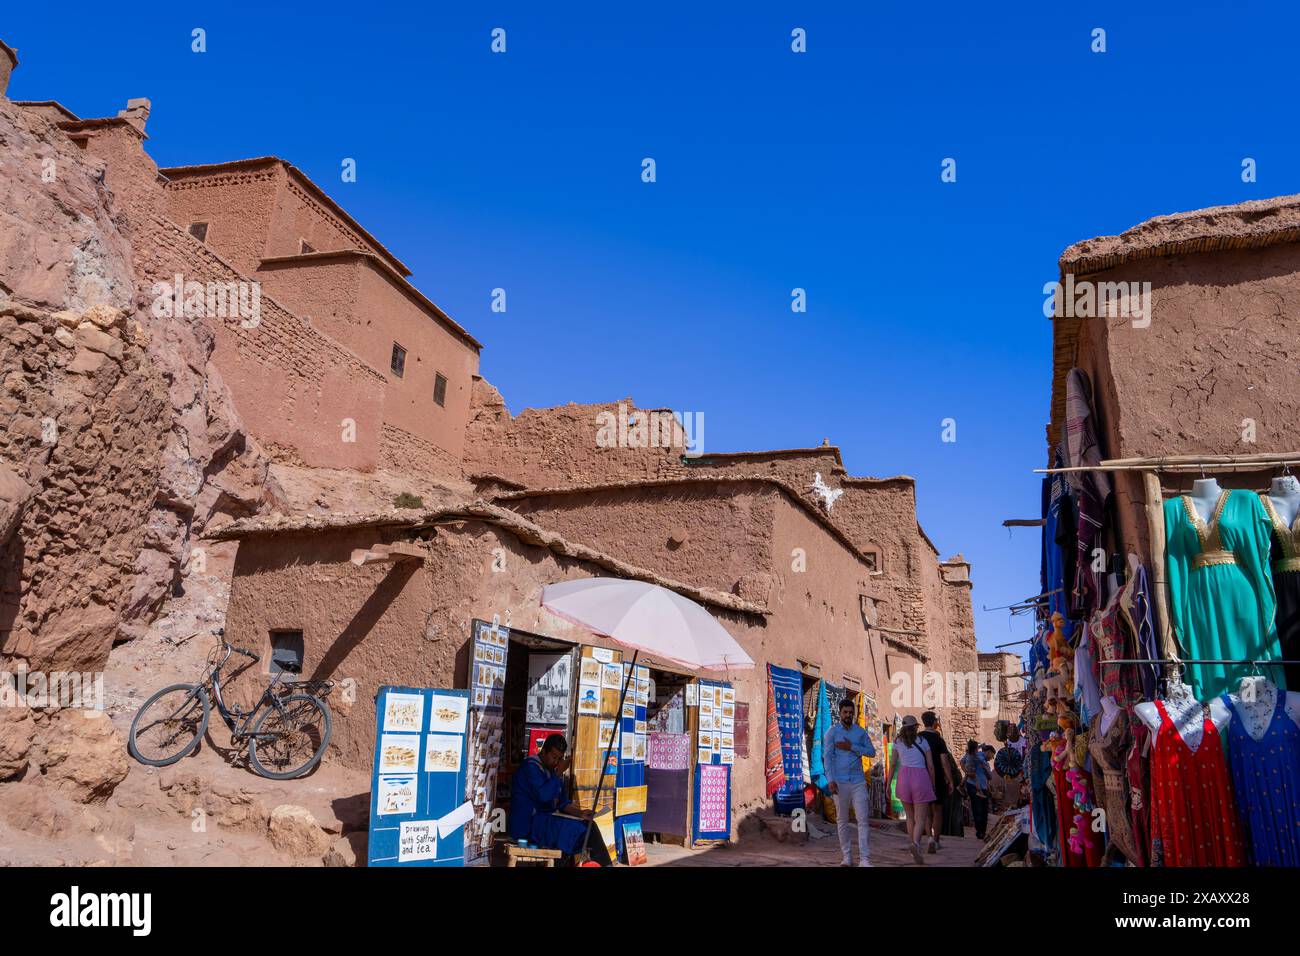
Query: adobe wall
{"x": 390, "y": 315}
{"x": 299, "y": 215}
{"x": 406, "y": 624}
{"x": 552, "y": 447}
{"x": 294, "y": 387}
{"x": 816, "y": 605}
{"x": 728, "y": 529}
{"x": 1219, "y": 351}
{"x": 130, "y": 175}
{"x": 353, "y": 302}
{"x": 540, "y": 448}
{"x": 748, "y": 539}
{"x": 238, "y": 205}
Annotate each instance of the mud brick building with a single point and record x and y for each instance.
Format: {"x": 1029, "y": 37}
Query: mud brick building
{"x": 350, "y": 377}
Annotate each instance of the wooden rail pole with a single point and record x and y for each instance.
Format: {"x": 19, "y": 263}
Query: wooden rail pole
{"x": 1156, "y": 531}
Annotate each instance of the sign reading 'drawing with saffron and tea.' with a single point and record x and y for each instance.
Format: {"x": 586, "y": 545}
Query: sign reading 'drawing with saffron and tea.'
{"x": 418, "y": 809}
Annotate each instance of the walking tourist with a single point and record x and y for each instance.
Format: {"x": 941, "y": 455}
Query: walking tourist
{"x": 845, "y": 745}
{"x": 975, "y": 768}
{"x": 914, "y": 771}
{"x": 945, "y": 779}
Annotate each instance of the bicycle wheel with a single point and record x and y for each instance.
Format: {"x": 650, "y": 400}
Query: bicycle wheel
{"x": 287, "y": 744}
{"x": 169, "y": 725}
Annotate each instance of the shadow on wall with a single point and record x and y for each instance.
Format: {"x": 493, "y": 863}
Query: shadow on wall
{"x": 367, "y": 616}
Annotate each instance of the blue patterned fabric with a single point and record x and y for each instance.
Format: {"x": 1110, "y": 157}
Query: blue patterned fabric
{"x": 1266, "y": 778}
{"x": 820, "y": 727}
{"x": 787, "y": 691}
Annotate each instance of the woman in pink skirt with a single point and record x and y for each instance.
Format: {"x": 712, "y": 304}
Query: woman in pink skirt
{"x": 914, "y": 771}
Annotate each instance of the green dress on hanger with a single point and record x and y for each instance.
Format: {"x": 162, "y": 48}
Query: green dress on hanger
{"x": 1221, "y": 601}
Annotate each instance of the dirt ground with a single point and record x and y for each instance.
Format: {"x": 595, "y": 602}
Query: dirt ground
{"x": 888, "y": 848}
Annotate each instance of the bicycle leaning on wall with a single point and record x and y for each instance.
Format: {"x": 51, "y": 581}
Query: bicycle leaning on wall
{"x": 287, "y": 732}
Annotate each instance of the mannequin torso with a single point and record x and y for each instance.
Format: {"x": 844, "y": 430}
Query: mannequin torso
{"x": 1284, "y": 495}
{"x": 1186, "y": 713}
{"x": 1109, "y": 711}
{"x": 1205, "y": 497}
{"x": 1255, "y": 701}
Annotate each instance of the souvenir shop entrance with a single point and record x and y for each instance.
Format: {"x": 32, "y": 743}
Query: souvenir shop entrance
{"x": 538, "y": 699}
{"x": 668, "y": 759}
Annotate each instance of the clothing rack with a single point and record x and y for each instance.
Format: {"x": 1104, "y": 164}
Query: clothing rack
{"x": 1191, "y": 660}
{"x": 1026, "y": 602}
{"x": 1181, "y": 463}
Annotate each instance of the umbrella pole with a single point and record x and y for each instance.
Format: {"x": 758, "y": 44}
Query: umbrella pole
{"x": 600, "y": 780}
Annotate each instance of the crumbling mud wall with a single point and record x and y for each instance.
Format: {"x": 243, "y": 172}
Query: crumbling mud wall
{"x": 1213, "y": 370}
{"x": 117, "y": 435}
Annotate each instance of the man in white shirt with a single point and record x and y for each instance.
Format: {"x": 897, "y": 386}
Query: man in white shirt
{"x": 843, "y": 748}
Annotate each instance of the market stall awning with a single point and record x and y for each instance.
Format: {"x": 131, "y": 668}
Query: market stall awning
{"x": 647, "y": 618}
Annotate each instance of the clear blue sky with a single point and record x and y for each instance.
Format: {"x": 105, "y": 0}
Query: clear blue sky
{"x": 775, "y": 170}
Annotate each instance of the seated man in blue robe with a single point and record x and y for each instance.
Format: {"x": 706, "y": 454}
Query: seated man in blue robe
{"x": 537, "y": 793}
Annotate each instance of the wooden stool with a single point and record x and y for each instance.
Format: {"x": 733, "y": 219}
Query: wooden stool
{"x": 530, "y": 856}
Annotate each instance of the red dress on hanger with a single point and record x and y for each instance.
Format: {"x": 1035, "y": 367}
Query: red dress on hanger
{"x": 1193, "y": 813}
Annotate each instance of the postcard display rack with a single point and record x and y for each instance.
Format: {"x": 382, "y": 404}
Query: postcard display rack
{"x": 715, "y": 716}
{"x": 418, "y": 809}
{"x": 490, "y": 645}
{"x": 630, "y": 796}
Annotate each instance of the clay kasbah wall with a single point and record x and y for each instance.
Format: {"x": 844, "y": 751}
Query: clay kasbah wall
{"x": 1213, "y": 370}
{"x": 130, "y": 429}
{"x": 557, "y": 448}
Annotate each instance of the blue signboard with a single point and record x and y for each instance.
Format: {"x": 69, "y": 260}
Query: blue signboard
{"x": 418, "y": 809}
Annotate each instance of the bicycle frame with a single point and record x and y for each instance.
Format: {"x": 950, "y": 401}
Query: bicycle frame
{"x": 231, "y": 714}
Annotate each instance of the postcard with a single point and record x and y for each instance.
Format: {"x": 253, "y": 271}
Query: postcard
{"x": 404, "y": 712}
{"x": 446, "y": 714}
{"x": 396, "y": 795}
{"x": 442, "y": 753}
{"x": 399, "y": 753}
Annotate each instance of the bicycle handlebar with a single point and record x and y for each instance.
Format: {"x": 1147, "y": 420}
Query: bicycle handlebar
{"x": 232, "y": 649}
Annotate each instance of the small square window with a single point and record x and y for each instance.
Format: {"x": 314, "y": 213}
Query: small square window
{"x": 199, "y": 230}
{"x": 440, "y": 389}
{"x": 286, "y": 652}
{"x": 305, "y": 247}
{"x": 398, "y": 364}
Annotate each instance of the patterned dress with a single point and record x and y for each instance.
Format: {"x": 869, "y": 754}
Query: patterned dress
{"x": 1111, "y": 641}
{"x": 1193, "y": 814}
{"x": 1108, "y": 752}
{"x": 1139, "y": 795}
{"x": 1266, "y": 775}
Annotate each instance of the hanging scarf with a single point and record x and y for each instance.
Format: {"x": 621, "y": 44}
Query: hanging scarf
{"x": 821, "y": 728}
{"x": 774, "y": 765}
